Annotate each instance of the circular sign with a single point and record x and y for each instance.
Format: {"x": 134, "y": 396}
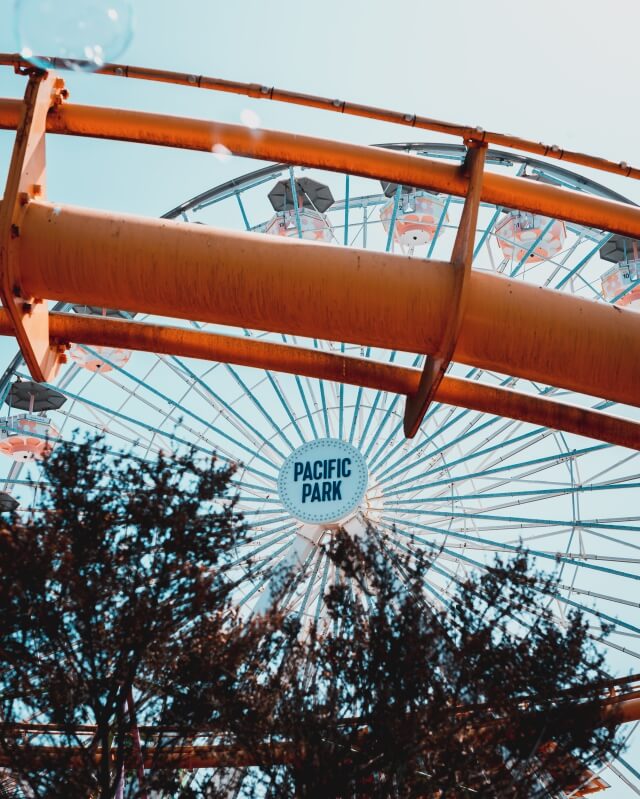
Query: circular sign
{"x": 323, "y": 481}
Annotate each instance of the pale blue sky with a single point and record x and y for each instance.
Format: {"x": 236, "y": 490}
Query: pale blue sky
{"x": 559, "y": 72}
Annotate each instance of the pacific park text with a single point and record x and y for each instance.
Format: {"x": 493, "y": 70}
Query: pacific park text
{"x": 322, "y": 480}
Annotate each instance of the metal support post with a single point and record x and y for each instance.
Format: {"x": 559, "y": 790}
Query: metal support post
{"x": 461, "y": 258}
{"x": 25, "y": 183}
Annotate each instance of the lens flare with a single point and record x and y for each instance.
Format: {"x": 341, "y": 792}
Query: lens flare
{"x": 250, "y": 119}
{"x": 221, "y": 152}
{"x": 82, "y": 34}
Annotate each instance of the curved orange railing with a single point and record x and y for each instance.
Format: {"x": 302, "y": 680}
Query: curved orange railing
{"x": 507, "y": 326}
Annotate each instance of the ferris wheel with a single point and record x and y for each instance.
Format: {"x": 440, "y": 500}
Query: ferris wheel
{"x": 314, "y": 454}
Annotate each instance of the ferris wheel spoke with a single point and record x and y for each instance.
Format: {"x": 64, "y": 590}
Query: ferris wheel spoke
{"x": 311, "y": 582}
{"x": 527, "y": 521}
{"x": 433, "y": 566}
{"x": 384, "y": 445}
{"x": 356, "y": 407}
{"x": 568, "y": 253}
{"x": 616, "y": 465}
{"x": 557, "y": 557}
{"x": 540, "y": 463}
{"x": 471, "y": 429}
{"x": 525, "y": 441}
{"x": 301, "y": 392}
{"x": 631, "y": 770}
{"x": 263, "y": 528}
{"x": 139, "y": 383}
{"x": 323, "y": 584}
{"x": 485, "y": 466}
{"x": 241, "y": 423}
{"x": 381, "y": 426}
{"x": 409, "y": 462}
{"x": 258, "y": 405}
{"x": 13, "y": 477}
{"x": 85, "y": 387}
{"x": 165, "y": 417}
{"x": 619, "y": 541}
{"x": 304, "y": 545}
{"x": 307, "y": 409}
{"x": 341, "y": 401}
{"x": 262, "y": 498}
{"x": 259, "y": 584}
{"x": 519, "y": 497}
{"x": 566, "y": 600}
{"x": 370, "y": 417}
{"x": 441, "y": 220}
{"x": 441, "y": 600}
{"x": 288, "y": 534}
{"x": 487, "y": 232}
{"x": 118, "y": 414}
{"x": 610, "y": 644}
{"x": 291, "y": 600}
{"x": 533, "y": 494}
{"x": 323, "y": 400}
{"x": 575, "y": 555}
{"x": 285, "y": 405}
{"x": 264, "y": 512}
{"x": 276, "y": 386}
{"x": 546, "y": 534}
{"x": 625, "y": 779}
{"x": 104, "y": 416}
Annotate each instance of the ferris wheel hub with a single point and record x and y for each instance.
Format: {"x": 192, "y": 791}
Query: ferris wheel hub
{"x": 323, "y": 481}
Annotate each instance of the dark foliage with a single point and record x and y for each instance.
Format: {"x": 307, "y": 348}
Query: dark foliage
{"x": 123, "y": 570}
{"x": 117, "y": 604}
{"x": 395, "y": 698}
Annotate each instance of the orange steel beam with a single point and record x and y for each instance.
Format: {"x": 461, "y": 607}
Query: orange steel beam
{"x": 620, "y": 711}
{"x": 374, "y": 162}
{"x": 365, "y": 372}
{"x": 186, "y": 342}
{"x": 26, "y": 180}
{"x": 261, "y": 92}
{"x": 190, "y": 271}
{"x": 435, "y": 366}
{"x": 179, "y": 757}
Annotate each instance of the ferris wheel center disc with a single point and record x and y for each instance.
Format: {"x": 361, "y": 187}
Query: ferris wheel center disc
{"x": 323, "y": 481}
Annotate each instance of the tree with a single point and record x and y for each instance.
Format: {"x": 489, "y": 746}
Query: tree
{"x": 400, "y": 697}
{"x": 122, "y": 572}
{"x": 121, "y": 644}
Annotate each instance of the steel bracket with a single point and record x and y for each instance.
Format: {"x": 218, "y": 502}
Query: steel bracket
{"x": 435, "y": 366}
{"x": 25, "y": 184}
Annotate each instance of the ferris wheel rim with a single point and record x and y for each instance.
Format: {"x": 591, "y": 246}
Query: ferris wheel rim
{"x": 241, "y": 182}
